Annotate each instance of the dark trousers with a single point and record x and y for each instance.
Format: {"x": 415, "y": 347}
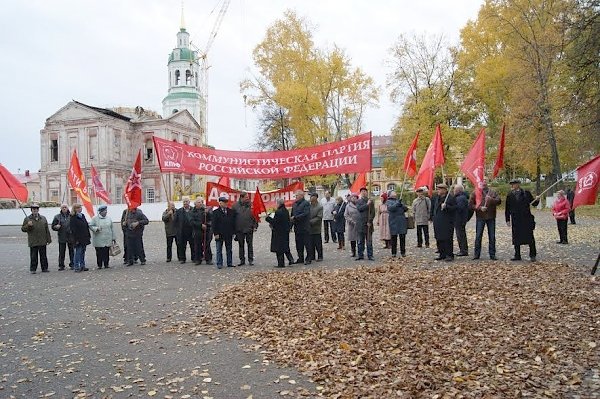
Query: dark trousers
{"x": 353, "y": 248}
{"x": 302, "y": 242}
{"x": 461, "y": 238}
{"x": 365, "y": 240}
{"x": 532, "y": 250}
{"x": 102, "y": 256}
{"x": 281, "y": 260}
{"x": 228, "y": 253}
{"x": 394, "y": 242}
{"x": 170, "y": 240}
{"x": 245, "y": 238}
{"x": 446, "y": 248}
{"x": 202, "y": 246}
{"x": 422, "y": 230}
{"x": 315, "y": 247}
{"x": 480, "y": 224}
{"x": 34, "y": 252}
{"x": 182, "y": 243}
{"x": 562, "y": 230}
{"x": 327, "y": 227}
{"x": 135, "y": 248}
{"x": 572, "y": 216}
{"x": 62, "y": 249}
{"x": 339, "y": 236}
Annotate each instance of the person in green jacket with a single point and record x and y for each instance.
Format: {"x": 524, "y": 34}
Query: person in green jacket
{"x": 38, "y": 237}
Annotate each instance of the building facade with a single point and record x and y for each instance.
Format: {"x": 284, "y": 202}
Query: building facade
{"x": 110, "y": 141}
{"x": 380, "y": 180}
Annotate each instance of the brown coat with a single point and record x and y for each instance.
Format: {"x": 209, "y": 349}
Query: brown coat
{"x": 490, "y": 199}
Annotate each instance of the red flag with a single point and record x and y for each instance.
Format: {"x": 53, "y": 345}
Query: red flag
{"x": 359, "y": 182}
{"x": 133, "y": 189}
{"x": 99, "y": 190}
{"x": 500, "y": 160}
{"x": 11, "y": 187}
{"x": 586, "y": 191}
{"x": 474, "y": 165}
{"x": 258, "y": 205}
{"x": 78, "y": 184}
{"x": 410, "y": 160}
{"x": 224, "y": 181}
{"x": 434, "y": 157}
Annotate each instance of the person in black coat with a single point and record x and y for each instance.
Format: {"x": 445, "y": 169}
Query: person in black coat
{"x": 223, "y": 224}
{"x": 202, "y": 226}
{"x": 280, "y": 233}
{"x": 60, "y": 224}
{"x": 183, "y": 228}
{"x": 300, "y": 217}
{"x": 571, "y": 198}
{"x": 397, "y": 223}
{"x": 133, "y": 223}
{"x": 462, "y": 216}
{"x": 518, "y": 216}
{"x": 339, "y": 223}
{"x": 80, "y": 232}
{"x": 443, "y": 209}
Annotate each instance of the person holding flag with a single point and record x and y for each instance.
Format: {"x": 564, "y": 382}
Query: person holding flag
{"x": 519, "y": 218}
{"x": 485, "y": 216}
{"x": 443, "y": 208}
{"x": 38, "y": 237}
{"x": 245, "y": 226}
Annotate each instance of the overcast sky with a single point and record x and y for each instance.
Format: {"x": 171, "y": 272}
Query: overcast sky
{"x": 114, "y": 53}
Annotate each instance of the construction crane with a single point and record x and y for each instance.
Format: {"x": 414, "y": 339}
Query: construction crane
{"x": 202, "y": 58}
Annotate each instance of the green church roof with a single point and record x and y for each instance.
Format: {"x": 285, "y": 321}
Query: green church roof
{"x": 185, "y": 54}
{"x": 176, "y": 96}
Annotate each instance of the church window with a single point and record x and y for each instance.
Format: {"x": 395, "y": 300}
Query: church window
{"x": 150, "y": 198}
{"x": 177, "y": 77}
{"x": 54, "y": 150}
{"x": 118, "y": 195}
{"x": 391, "y": 187}
{"x": 175, "y": 110}
{"x": 196, "y": 80}
{"x": 149, "y": 151}
{"x": 54, "y": 195}
{"x": 188, "y": 77}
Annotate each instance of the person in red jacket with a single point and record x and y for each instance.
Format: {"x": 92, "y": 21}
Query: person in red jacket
{"x": 560, "y": 211}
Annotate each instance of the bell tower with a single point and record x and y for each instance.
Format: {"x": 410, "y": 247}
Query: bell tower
{"x": 184, "y": 79}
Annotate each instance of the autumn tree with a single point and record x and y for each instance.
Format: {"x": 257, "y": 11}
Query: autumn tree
{"x": 520, "y": 62}
{"x": 306, "y": 95}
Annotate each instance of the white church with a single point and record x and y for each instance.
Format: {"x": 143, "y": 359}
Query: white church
{"x": 109, "y": 139}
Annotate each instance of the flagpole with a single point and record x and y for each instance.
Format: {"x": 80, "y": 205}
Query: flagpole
{"x": 13, "y": 193}
{"x": 540, "y": 194}
{"x": 403, "y": 181}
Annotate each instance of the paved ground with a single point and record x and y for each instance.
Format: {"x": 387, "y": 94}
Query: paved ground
{"x": 101, "y": 333}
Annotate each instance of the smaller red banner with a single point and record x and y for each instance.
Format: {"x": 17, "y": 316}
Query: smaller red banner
{"x": 214, "y": 191}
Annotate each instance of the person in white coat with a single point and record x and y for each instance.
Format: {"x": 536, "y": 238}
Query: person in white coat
{"x": 352, "y": 216}
{"x": 103, "y": 236}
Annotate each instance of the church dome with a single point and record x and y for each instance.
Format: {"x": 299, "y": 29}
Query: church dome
{"x": 182, "y": 54}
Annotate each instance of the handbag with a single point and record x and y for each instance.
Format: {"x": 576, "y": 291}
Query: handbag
{"x": 115, "y": 249}
{"x": 410, "y": 222}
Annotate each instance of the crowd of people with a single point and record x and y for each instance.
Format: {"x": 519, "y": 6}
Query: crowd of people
{"x": 193, "y": 228}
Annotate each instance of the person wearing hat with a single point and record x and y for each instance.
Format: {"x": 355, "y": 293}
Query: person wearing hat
{"x": 245, "y": 226}
{"x": 168, "y": 218}
{"x": 300, "y": 218}
{"x": 364, "y": 228}
{"x": 421, "y": 207}
{"x": 81, "y": 237}
{"x": 519, "y": 218}
{"x": 443, "y": 208}
{"x": 398, "y": 223}
{"x": 183, "y": 226}
{"x": 339, "y": 222}
{"x": 38, "y": 237}
{"x": 223, "y": 224}
{"x": 202, "y": 225}
{"x": 352, "y": 216}
{"x": 103, "y": 236}
{"x": 134, "y": 222}
{"x": 60, "y": 224}
{"x": 315, "y": 246}
{"x": 485, "y": 215}
{"x": 281, "y": 225}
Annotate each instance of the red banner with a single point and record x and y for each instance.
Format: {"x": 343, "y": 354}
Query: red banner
{"x": 474, "y": 166}
{"x": 588, "y": 182}
{"x": 133, "y": 188}
{"x": 77, "y": 181}
{"x": 352, "y": 155}
{"x": 214, "y": 191}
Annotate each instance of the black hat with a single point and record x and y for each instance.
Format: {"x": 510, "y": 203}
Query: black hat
{"x": 363, "y": 189}
{"x": 515, "y": 181}
{"x": 223, "y": 199}
{"x": 314, "y": 195}
{"x": 35, "y": 205}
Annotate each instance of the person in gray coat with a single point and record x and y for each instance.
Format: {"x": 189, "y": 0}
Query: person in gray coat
{"x": 245, "y": 226}
{"x": 103, "y": 236}
{"x": 60, "y": 224}
{"x": 315, "y": 246}
{"x": 300, "y": 219}
{"x": 352, "y": 216}
{"x": 398, "y": 223}
{"x": 421, "y": 207}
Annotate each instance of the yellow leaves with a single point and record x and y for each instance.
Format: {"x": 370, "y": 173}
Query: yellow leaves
{"x": 345, "y": 346}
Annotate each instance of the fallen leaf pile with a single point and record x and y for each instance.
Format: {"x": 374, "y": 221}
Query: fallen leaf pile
{"x": 492, "y": 329}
